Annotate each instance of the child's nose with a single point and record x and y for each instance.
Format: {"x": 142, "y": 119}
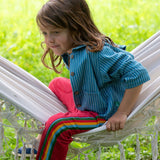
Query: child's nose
{"x": 51, "y": 38}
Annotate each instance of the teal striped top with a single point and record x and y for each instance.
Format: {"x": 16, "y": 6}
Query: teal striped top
{"x": 99, "y": 79}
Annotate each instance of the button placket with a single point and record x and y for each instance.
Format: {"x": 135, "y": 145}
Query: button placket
{"x": 76, "y": 93}
{"x": 72, "y": 74}
{"x": 78, "y": 105}
{"x": 72, "y": 56}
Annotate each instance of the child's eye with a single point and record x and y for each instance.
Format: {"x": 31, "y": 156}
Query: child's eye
{"x": 44, "y": 33}
{"x": 56, "y": 32}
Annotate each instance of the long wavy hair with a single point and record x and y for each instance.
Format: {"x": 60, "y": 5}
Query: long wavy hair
{"x": 75, "y": 16}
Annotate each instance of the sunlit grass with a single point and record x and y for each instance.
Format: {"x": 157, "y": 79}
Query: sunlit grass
{"x": 127, "y": 22}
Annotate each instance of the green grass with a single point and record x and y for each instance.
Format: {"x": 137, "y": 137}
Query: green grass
{"x": 128, "y": 22}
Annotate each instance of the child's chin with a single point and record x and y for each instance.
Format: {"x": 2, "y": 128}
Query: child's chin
{"x": 58, "y": 53}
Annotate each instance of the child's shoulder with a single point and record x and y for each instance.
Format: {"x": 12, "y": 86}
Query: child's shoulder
{"x": 119, "y": 48}
{"x": 107, "y": 51}
{"x": 110, "y": 50}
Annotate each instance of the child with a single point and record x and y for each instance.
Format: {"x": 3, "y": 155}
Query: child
{"x": 105, "y": 80}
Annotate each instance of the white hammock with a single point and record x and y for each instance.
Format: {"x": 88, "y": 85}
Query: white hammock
{"x": 23, "y": 97}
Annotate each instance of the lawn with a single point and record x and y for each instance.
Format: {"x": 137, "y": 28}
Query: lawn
{"x": 127, "y": 22}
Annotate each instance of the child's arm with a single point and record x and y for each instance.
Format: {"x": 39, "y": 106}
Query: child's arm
{"x": 117, "y": 121}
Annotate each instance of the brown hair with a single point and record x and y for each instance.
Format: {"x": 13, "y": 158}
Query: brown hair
{"x": 75, "y": 16}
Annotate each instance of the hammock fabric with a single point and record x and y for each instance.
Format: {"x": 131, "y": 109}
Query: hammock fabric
{"x": 23, "y": 97}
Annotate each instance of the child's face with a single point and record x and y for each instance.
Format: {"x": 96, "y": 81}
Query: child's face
{"x": 58, "y": 40}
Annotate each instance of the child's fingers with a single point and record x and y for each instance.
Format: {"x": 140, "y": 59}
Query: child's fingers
{"x": 117, "y": 126}
{"x": 114, "y": 126}
{"x": 122, "y": 125}
{"x": 108, "y": 126}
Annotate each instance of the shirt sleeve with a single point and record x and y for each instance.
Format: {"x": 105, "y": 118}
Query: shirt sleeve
{"x": 117, "y": 64}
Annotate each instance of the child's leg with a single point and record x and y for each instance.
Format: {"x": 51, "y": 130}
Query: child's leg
{"x": 61, "y": 87}
{"x": 63, "y": 90}
{"x": 59, "y": 130}
{"x": 60, "y": 127}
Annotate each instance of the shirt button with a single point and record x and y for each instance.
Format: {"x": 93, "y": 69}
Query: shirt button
{"x": 72, "y": 73}
{"x": 72, "y": 56}
{"x": 78, "y": 105}
{"x": 76, "y": 92}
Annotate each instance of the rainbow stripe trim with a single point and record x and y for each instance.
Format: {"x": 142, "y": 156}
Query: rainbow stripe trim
{"x": 63, "y": 124}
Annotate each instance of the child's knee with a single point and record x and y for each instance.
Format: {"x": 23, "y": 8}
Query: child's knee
{"x": 53, "y": 83}
{"x": 60, "y": 83}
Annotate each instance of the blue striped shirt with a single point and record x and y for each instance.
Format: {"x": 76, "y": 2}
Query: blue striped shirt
{"x": 99, "y": 79}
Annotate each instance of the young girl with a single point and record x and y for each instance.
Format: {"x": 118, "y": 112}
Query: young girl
{"x": 105, "y": 80}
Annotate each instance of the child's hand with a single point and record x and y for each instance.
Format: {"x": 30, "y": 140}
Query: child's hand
{"x": 117, "y": 121}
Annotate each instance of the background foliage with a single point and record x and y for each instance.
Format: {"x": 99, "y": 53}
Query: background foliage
{"x": 128, "y": 22}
